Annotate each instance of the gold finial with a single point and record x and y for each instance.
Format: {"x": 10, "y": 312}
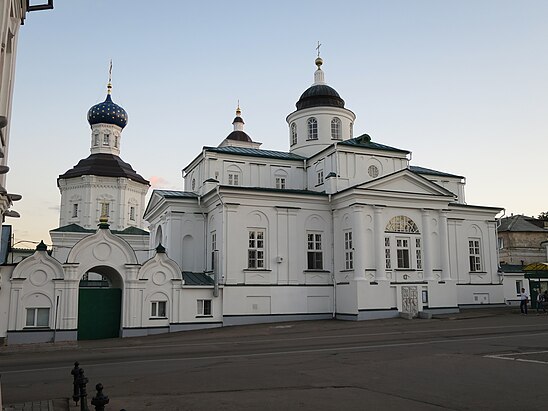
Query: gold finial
{"x": 238, "y": 111}
{"x": 109, "y": 85}
{"x": 319, "y": 60}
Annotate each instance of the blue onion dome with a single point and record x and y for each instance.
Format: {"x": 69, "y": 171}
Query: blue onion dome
{"x": 107, "y": 112}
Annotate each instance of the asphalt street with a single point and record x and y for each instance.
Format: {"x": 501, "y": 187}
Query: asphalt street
{"x": 492, "y": 359}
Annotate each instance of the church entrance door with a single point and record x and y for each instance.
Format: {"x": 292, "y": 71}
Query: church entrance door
{"x": 410, "y": 300}
{"x": 99, "y": 306}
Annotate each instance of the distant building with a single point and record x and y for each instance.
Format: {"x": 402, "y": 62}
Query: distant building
{"x": 338, "y": 226}
{"x": 521, "y": 241}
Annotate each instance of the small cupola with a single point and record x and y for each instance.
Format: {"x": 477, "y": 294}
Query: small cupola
{"x": 238, "y": 137}
{"x": 107, "y": 120}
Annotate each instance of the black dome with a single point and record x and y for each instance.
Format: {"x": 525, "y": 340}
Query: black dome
{"x": 105, "y": 165}
{"x": 107, "y": 112}
{"x": 319, "y": 95}
{"x": 239, "y": 136}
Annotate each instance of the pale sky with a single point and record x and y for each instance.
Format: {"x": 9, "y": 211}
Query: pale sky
{"x": 461, "y": 84}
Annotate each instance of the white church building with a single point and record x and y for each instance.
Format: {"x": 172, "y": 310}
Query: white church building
{"x": 337, "y": 227}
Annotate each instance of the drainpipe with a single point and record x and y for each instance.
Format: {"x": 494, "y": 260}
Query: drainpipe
{"x": 497, "y": 225}
{"x": 333, "y": 279}
{"x": 305, "y": 175}
{"x": 225, "y": 224}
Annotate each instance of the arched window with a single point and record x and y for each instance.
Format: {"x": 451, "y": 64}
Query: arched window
{"x": 293, "y": 133}
{"x": 312, "y": 128}
{"x": 402, "y": 224}
{"x": 336, "y": 128}
{"x": 402, "y": 244}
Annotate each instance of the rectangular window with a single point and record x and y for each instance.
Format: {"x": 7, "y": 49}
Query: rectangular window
{"x": 158, "y": 309}
{"x": 255, "y": 251}
{"x": 132, "y": 213}
{"x": 37, "y": 317}
{"x": 402, "y": 252}
{"x": 204, "y": 307}
{"x": 348, "y": 251}
{"x": 418, "y": 253}
{"x": 105, "y": 209}
{"x": 116, "y": 141}
{"x": 474, "y": 250}
{"x": 387, "y": 258}
{"x": 75, "y": 210}
{"x": 320, "y": 177}
{"x": 519, "y": 286}
{"x": 106, "y": 139}
{"x": 213, "y": 248}
{"x": 280, "y": 183}
{"x": 314, "y": 251}
{"x": 233, "y": 179}
{"x": 96, "y": 140}
{"x": 500, "y": 242}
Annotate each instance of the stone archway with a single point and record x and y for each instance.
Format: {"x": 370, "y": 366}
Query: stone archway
{"x": 100, "y": 304}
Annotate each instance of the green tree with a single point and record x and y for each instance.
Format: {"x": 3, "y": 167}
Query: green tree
{"x": 543, "y": 216}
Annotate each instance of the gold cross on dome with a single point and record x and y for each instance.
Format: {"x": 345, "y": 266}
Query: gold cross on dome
{"x": 318, "y": 48}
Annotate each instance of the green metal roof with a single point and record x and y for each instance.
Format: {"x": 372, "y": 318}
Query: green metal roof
{"x": 255, "y": 152}
{"x": 175, "y": 193}
{"x": 365, "y": 141}
{"x": 428, "y": 171}
{"x": 191, "y": 278}
{"x": 75, "y": 228}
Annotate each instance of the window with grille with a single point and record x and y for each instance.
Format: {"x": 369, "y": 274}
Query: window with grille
{"x": 348, "y": 251}
{"x": 336, "y": 128}
{"x": 387, "y": 257}
{"x": 418, "y": 253}
{"x": 233, "y": 179}
{"x": 474, "y": 249}
{"x": 293, "y": 133}
{"x": 319, "y": 177}
{"x": 402, "y": 252}
{"x": 402, "y": 224}
{"x": 312, "y": 128}
{"x": 314, "y": 251}
{"x": 213, "y": 248}
{"x": 255, "y": 250}
{"x": 75, "y": 210}
{"x": 280, "y": 182}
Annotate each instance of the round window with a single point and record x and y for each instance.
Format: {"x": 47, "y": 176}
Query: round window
{"x": 373, "y": 171}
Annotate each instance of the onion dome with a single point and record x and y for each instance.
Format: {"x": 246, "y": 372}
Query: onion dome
{"x": 239, "y": 134}
{"x": 319, "y": 94}
{"x": 107, "y": 112}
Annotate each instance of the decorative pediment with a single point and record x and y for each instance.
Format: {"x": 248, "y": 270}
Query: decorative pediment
{"x": 406, "y": 181}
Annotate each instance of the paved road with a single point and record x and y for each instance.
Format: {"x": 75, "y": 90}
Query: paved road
{"x": 474, "y": 361}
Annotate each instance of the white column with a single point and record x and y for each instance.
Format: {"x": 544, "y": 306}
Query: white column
{"x": 380, "y": 273}
{"x": 358, "y": 239}
{"x": 444, "y": 247}
{"x": 426, "y": 245}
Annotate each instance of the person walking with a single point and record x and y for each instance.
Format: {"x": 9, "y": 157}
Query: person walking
{"x": 541, "y": 301}
{"x": 524, "y": 302}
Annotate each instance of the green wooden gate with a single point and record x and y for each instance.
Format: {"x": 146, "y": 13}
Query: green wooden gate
{"x": 99, "y": 312}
